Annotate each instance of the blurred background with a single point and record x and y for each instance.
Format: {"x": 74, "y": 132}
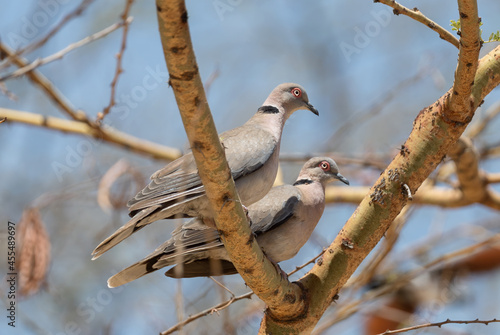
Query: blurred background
{"x": 367, "y": 71}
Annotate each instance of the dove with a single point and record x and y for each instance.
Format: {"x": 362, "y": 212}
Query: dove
{"x": 252, "y": 152}
{"x": 282, "y": 222}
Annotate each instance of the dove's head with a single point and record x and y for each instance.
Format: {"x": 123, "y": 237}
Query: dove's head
{"x": 323, "y": 170}
{"x": 290, "y": 97}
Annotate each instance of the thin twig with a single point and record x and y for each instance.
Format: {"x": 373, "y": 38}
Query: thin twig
{"x": 311, "y": 261}
{"x": 58, "y": 55}
{"x": 7, "y": 93}
{"x": 207, "y": 311}
{"x": 179, "y": 304}
{"x": 211, "y": 79}
{"x": 119, "y": 57}
{"x": 40, "y": 80}
{"x": 438, "y": 324}
{"x": 35, "y": 45}
{"x": 222, "y": 286}
{"x": 418, "y": 16}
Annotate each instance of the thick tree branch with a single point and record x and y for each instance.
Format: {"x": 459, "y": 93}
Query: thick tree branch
{"x": 418, "y": 16}
{"x": 258, "y": 272}
{"x": 461, "y": 103}
{"x": 107, "y": 134}
{"x": 353, "y": 306}
{"x": 487, "y": 76}
{"x": 434, "y": 134}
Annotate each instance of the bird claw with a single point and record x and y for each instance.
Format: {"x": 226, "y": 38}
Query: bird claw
{"x": 245, "y": 209}
{"x": 282, "y": 273}
{"x": 209, "y": 222}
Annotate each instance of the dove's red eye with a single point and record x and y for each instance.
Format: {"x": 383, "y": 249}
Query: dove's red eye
{"x": 324, "y": 165}
{"x": 297, "y": 92}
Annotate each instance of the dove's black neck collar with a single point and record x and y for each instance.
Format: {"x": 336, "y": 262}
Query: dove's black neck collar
{"x": 268, "y": 110}
{"x": 303, "y": 182}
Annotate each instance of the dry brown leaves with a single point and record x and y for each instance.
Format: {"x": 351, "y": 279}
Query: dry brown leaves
{"x": 33, "y": 252}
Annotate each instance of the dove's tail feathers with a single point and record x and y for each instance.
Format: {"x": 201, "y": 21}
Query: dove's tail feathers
{"x": 202, "y": 268}
{"x": 164, "y": 255}
{"x": 123, "y": 232}
{"x": 161, "y": 258}
{"x": 134, "y": 271}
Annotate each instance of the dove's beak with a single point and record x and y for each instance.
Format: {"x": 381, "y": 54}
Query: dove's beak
{"x": 312, "y": 109}
{"x": 342, "y": 178}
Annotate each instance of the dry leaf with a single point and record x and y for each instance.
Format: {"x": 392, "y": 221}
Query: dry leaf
{"x": 33, "y": 252}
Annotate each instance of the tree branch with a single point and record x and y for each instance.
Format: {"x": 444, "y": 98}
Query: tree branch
{"x": 207, "y": 311}
{"x": 493, "y": 178}
{"x": 487, "y": 76}
{"x": 435, "y": 131}
{"x": 472, "y": 181}
{"x": 438, "y": 324}
{"x": 426, "y": 195}
{"x": 418, "y": 16}
{"x": 107, "y": 134}
{"x": 258, "y": 272}
{"x": 227, "y": 303}
{"x": 461, "y": 103}
{"x": 119, "y": 57}
{"x": 353, "y": 306}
